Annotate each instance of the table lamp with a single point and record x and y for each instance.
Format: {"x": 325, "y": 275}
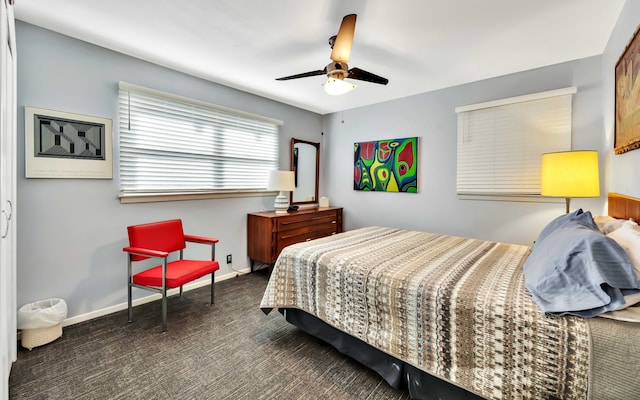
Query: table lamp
{"x": 570, "y": 174}
{"x": 283, "y": 181}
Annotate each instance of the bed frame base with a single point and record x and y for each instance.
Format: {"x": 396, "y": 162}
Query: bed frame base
{"x": 398, "y": 374}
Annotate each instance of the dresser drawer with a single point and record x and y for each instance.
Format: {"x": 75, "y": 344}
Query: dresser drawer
{"x": 305, "y": 220}
{"x": 304, "y": 234}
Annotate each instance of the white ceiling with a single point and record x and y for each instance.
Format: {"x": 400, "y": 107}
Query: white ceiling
{"x": 419, "y": 45}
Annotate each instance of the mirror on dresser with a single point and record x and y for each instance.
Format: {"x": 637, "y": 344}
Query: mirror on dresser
{"x": 305, "y": 162}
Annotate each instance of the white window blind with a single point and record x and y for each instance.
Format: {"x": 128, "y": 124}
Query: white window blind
{"x": 171, "y": 144}
{"x": 500, "y": 144}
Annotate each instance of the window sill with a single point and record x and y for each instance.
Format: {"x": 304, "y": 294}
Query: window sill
{"x": 507, "y": 197}
{"x": 160, "y": 197}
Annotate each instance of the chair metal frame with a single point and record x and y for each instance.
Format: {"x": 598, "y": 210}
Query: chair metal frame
{"x": 135, "y": 254}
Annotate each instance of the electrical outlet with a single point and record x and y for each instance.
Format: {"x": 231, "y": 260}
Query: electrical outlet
{"x": 229, "y": 258}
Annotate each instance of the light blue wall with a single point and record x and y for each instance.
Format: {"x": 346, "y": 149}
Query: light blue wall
{"x": 71, "y": 231}
{"x": 624, "y": 168}
{"x": 431, "y": 116}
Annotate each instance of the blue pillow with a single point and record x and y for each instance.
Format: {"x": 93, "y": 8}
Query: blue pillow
{"x": 578, "y": 215}
{"x": 557, "y": 223}
{"x": 585, "y": 219}
{"x": 577, "y": 270}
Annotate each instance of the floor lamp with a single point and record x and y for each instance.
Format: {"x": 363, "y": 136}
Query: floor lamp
{"x": 570, "y": 174}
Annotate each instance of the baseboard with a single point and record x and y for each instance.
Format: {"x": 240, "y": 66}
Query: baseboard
{"x": 143, "y": 300}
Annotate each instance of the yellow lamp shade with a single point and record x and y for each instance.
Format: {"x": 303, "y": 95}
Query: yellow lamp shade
{"x": 570, "y": 174}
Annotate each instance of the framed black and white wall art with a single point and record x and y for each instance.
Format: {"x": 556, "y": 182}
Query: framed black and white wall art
{"x": 65, "y": 145}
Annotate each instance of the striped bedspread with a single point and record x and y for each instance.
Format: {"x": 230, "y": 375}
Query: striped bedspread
{"x": 454, "y": 307}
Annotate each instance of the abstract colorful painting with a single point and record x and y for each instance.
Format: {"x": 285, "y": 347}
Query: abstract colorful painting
{"x": 386, "y": 165}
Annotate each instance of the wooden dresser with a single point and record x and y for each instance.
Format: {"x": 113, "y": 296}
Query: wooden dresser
{"x": 268, "y": 233}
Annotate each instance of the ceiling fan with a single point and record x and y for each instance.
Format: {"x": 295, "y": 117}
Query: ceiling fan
{"x": 337, "y": 70}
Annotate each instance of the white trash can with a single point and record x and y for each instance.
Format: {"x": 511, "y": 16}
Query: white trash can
{"x": 41, "y": 322}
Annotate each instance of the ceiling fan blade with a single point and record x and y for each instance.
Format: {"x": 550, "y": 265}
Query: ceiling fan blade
{"x": 342, "y": 46}
{"x": 303, "y": 75}
{"x": 360, "y": 74}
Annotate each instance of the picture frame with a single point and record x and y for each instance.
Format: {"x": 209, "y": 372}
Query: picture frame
{"x": 389, "y": 165}
{"x": 627, "y": 98}
{"x": 66, "y": 145}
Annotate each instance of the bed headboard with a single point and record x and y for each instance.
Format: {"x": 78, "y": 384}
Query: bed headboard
{"x": 624, "y": 207}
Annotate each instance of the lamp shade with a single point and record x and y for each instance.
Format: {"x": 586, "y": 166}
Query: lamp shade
{"x": 570, "y": 174}
{"x": 336, "y": 87}
{"x": 283, "y": 181}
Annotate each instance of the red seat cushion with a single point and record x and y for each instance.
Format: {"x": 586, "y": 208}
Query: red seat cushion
{"x": 179, "y": 272}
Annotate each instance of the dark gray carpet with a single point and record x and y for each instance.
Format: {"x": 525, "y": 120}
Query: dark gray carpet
{"x": 230, "y": 350}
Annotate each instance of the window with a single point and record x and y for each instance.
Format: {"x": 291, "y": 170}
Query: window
{"x": 500, "y": 143}
{"x": 171, "y": 145}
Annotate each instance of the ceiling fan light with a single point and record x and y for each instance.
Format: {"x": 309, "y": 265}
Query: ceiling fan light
{"x": 337, "y": 87}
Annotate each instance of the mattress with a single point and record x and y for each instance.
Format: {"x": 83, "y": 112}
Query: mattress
{"x": 456, "y": 308}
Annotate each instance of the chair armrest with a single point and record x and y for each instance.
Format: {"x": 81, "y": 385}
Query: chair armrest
{"x": 146, "y": 252}
{"x": 200, "y": 239}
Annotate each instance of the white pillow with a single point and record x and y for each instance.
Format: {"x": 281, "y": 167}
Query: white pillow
{"x": 608, "y": 224}
{"x": 628, "y": 237}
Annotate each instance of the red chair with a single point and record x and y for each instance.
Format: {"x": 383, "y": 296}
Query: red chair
{"x": 160, "y": 240}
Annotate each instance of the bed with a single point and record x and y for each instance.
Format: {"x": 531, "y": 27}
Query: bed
{"x": 453, "y": 318}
